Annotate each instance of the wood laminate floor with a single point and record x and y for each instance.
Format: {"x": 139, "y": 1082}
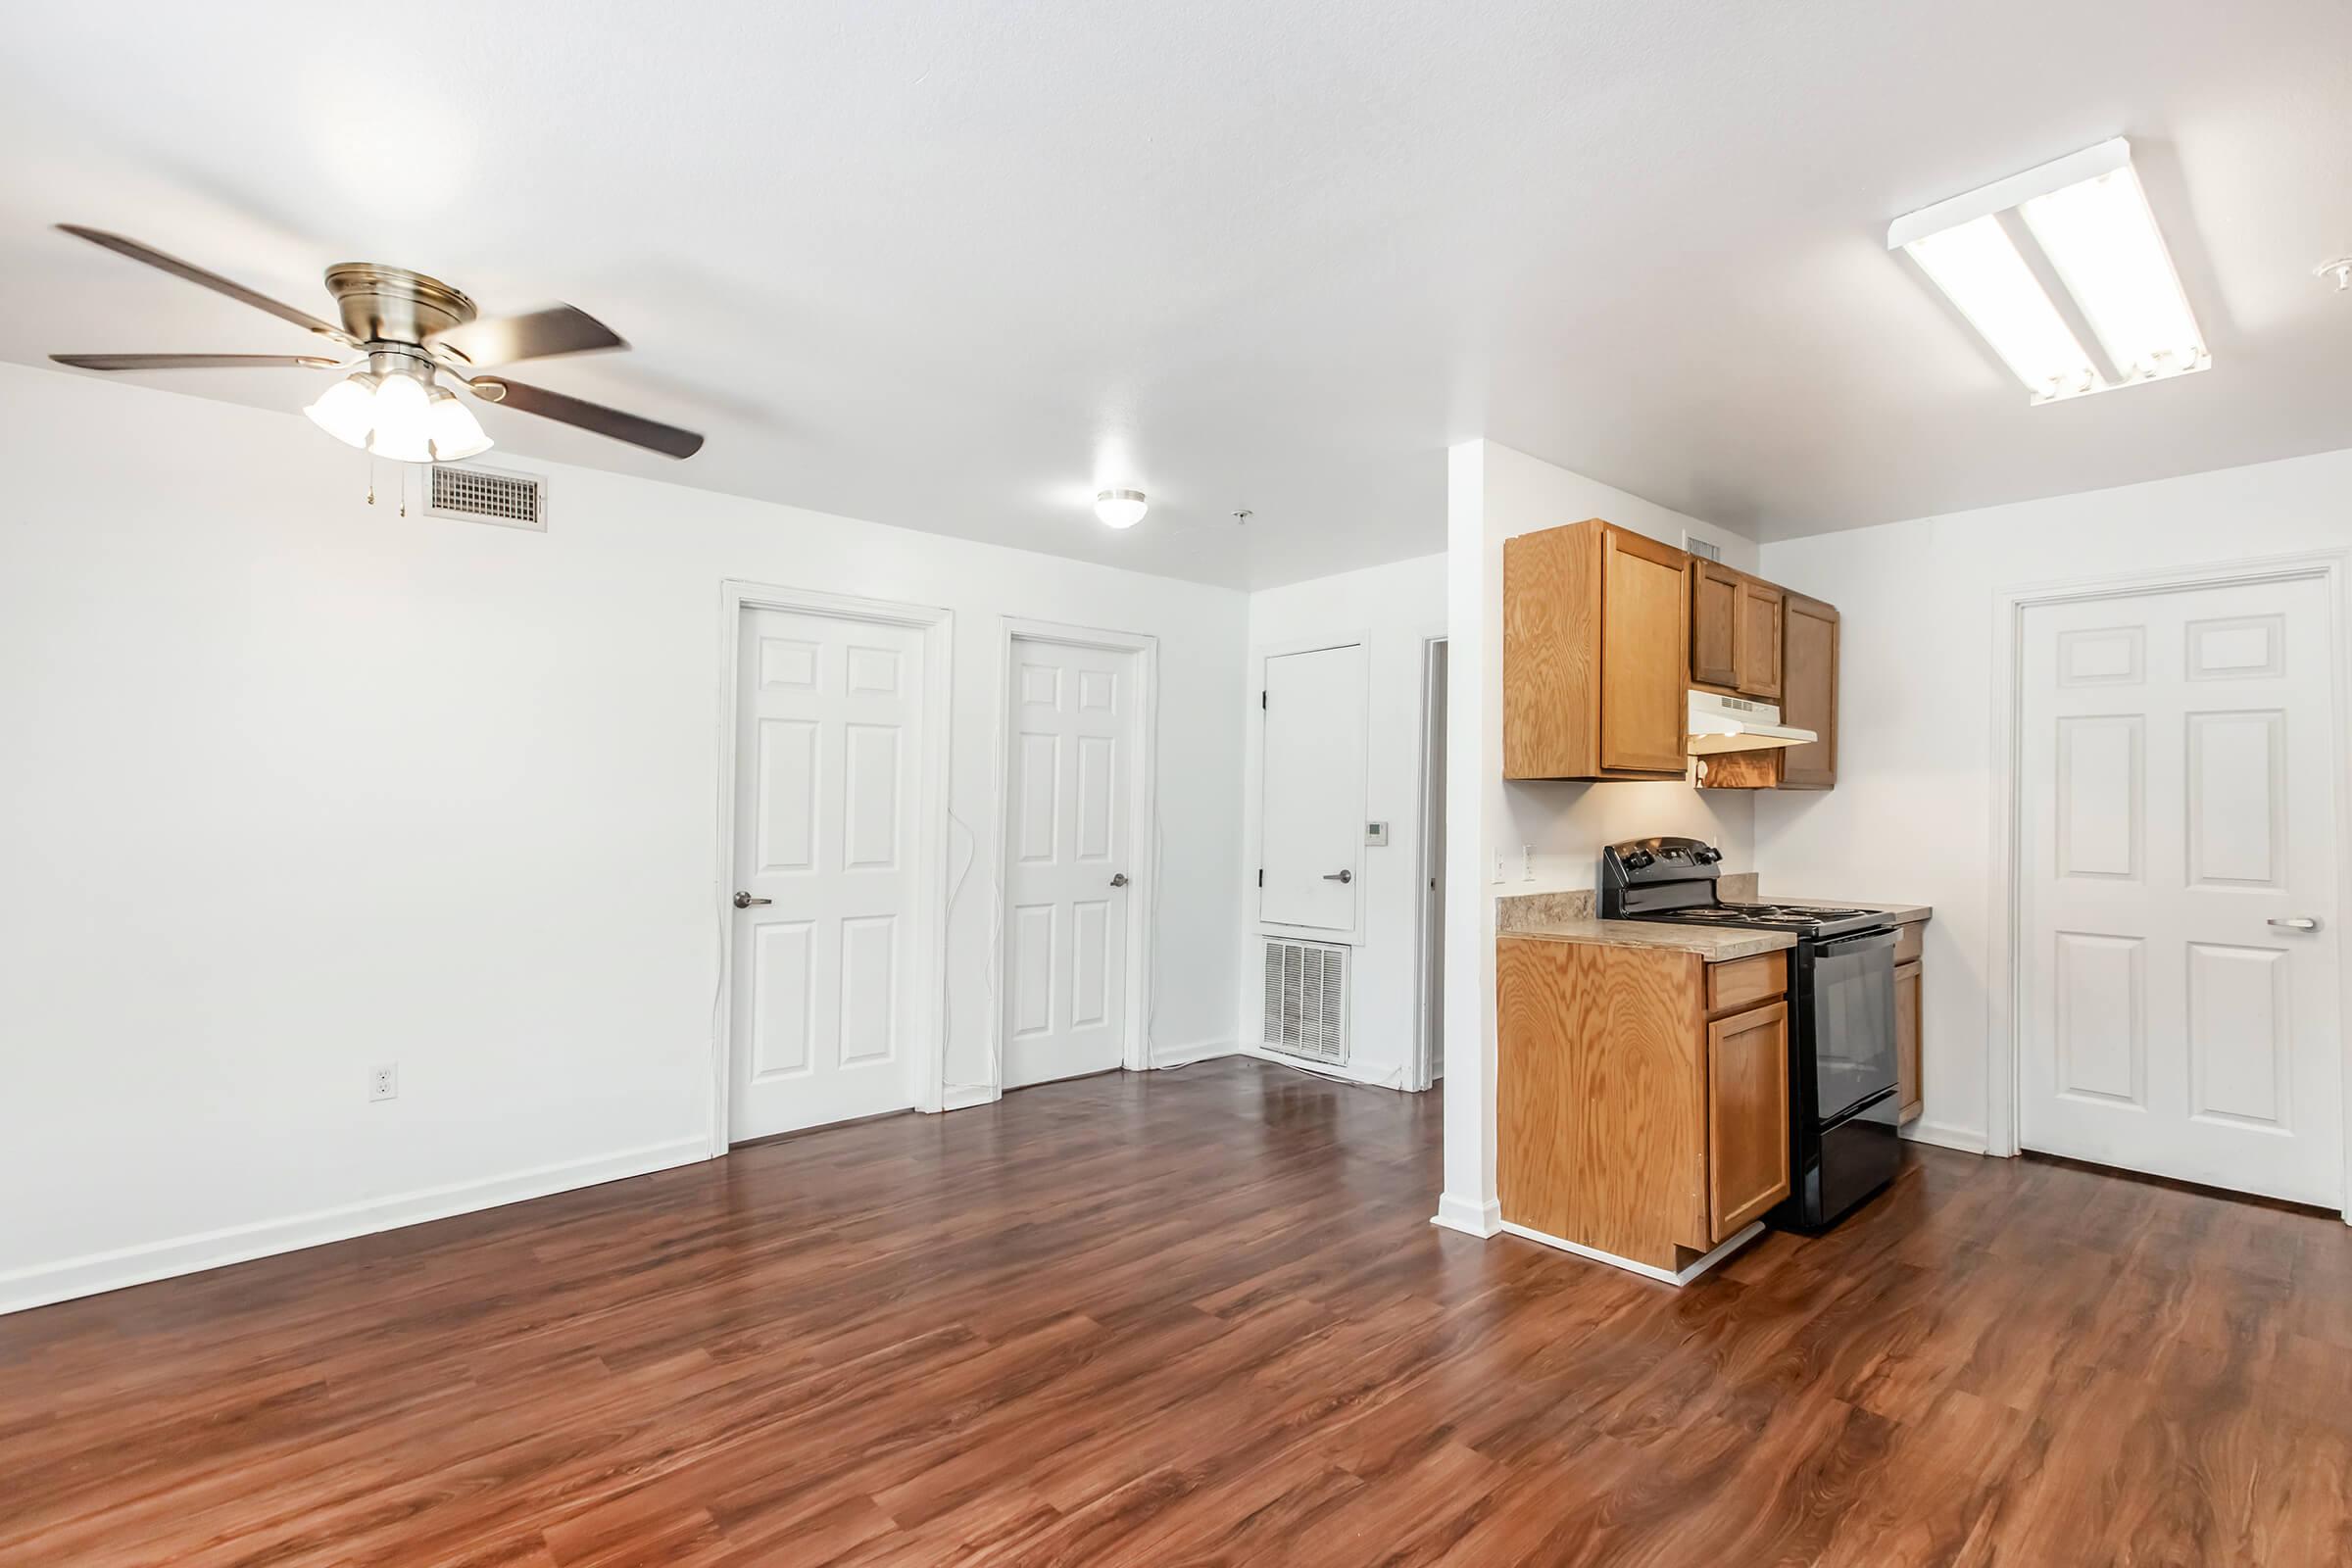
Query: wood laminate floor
{"x": 1200, "y": 1317}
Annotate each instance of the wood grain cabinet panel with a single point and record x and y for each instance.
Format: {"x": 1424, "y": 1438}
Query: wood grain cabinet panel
{"x": 1644, "y": 626}
{"x": 1809, "y": 692}
{"x": 1595, "y": 647}
{"x": 1747, "y": 1116}
{"x": 1757, "y": 633}
{"x": 1714, "y": 623}
{"x": 1743, "y": 982}
{"x": 1627, "y": 1121}
{"x": 1907, "y": 1020}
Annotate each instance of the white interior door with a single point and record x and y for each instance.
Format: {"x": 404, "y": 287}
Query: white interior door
{"x": 1071, "y": 750}
{"x": 824, "y": 1021}
{"x": 1311, "y": 814}
{"x": 2179, "y": 765}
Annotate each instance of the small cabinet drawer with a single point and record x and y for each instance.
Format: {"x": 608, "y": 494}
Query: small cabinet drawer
{"x": 1744, "y": 982}
{"x": 1910, "y": 938}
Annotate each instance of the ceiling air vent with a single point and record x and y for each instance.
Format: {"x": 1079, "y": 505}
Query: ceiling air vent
{"x": 1306, "y": 999}
{"x": 485, "y": 495}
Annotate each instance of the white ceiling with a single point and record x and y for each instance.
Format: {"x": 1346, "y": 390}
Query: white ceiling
{"x": 955, "y": 266}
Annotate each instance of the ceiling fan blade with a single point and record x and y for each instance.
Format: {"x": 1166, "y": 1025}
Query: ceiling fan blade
{"x": 535, "y": 335}
{"x": 652, "y": 435}
{"x": 211, "y": 280}
{"x": 196, "y": 362}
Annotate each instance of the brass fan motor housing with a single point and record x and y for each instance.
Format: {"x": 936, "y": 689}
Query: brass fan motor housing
{"x": 393, "y": 305}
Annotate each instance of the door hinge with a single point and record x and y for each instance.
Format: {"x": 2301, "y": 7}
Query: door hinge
{"x": 1261, "y": 876}
{"x": 1262, "y": 702}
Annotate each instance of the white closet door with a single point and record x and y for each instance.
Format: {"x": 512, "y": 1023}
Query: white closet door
{"x": 1311, "y": 817}
{"x": 1071, "y": 870}
{"x": 2178, "y": 820}
{"x": 829, "y": 741}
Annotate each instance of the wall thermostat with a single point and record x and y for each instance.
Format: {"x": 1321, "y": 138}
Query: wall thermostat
{"x": 1375, "y": 832}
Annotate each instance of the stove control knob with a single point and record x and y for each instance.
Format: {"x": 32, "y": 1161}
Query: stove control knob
{"x": 1708, "y": 855}
{"x": 1640, "y": 859}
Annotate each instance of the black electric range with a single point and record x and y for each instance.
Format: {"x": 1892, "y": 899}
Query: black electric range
{"x": 1841, "y": 1074}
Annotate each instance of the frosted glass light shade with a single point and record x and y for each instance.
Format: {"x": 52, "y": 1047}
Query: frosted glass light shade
{"x": 346, "y": 411}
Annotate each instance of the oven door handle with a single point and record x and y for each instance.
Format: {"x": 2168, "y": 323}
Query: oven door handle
{"x": 1858, "y": 941}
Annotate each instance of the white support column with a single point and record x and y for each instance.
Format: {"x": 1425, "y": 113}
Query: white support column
{"x": 1473, "y": 760}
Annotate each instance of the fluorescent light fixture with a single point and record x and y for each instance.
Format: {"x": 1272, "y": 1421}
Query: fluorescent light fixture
{"x": 1120, "y": 508}
{"x": 2101, "y": 238}
{"x": 1982, "y": 271}
{"x": 2089, "y": 217}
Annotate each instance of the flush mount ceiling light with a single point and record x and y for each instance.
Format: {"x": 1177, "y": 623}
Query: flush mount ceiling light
{"x": 1120, "y": 508}
{"x": 2090, "y": 218}
{"x": 413, "y": 330}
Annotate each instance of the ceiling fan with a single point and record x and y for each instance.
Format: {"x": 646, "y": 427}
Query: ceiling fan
{"x": 412, "y": 328}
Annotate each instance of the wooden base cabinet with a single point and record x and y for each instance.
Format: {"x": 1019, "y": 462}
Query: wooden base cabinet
{"x": 1642, "y": 1097}
{"x": 1906, "y": 1042}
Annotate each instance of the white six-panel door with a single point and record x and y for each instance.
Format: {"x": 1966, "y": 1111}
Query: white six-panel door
{"x": 1068, "y": 861}
{"x": 823, "y": 1025}
{"x": 2179, "y": 768}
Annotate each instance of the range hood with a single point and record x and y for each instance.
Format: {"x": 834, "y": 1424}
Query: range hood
{"x": 1735, "y": 724}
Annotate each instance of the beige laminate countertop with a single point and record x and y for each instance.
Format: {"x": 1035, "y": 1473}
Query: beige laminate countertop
{"x": 1714, "y": 943}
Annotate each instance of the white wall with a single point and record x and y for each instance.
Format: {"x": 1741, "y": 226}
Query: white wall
{"x": 1494, "y": 493}
{"x": 1911, "y": 818}
{"x": 294, "y": 786}
{"x": 1393, "y": 610}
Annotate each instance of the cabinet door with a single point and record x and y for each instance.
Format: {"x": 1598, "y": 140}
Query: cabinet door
{"x": 1714, "y": 619}
{"x": 1747, "y": 1116}
{"x": 1809, "y": 692}
{"x": 1906, "y": 1041}
{"x": 1645, "y": 651}
{"x": 1756, "y": 626}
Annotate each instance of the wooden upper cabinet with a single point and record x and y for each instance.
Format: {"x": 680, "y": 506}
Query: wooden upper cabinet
{"x": 1595, "y": 646}
{"x": 1809, "y": 692}
{"x": 1756, "y": 634}
{"x": 1644, "y": 711}
{"x": 1714, "y": 619}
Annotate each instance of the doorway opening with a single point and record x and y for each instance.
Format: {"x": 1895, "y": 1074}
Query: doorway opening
{"x": 1430, "y": 1055}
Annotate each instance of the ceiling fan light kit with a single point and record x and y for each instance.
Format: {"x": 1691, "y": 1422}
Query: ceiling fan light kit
{"x": 411, "y": 327}
{"x": 394, "y": 408}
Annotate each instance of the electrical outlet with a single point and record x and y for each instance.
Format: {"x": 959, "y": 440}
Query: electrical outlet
{"x": 1527, "y": 862}
{"x": 383, "y": 1082}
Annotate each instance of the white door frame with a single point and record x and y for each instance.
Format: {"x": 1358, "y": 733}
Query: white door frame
{"x": 1428, "y": 1009}
{"x": 1143, "y": 772}
{"x": 2005, "y": 989}
{"x": 929, "y": 918}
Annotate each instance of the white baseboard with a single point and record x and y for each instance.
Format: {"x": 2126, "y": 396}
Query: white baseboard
{"x": 1470, "y": 1218}
{"x": 1374, "y": 1077}
{"x": 1670, "y": 1276}
{"x": 96, "y": 1272}
{"x": 963, "y": 1097}
{"x": 1197, "y": 1051}
{"x": 1942, "y": 1135}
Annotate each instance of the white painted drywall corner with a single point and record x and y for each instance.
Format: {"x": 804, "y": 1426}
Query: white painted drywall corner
{"x": 303, "y": 785}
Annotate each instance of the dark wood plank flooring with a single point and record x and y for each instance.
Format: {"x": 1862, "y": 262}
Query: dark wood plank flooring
{"x": 1189, "y": 1318}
